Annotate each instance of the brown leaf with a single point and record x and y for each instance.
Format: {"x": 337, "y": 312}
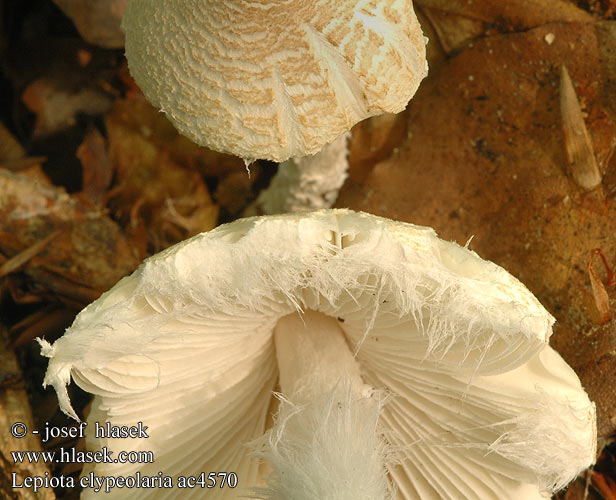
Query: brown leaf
{"x": 155, "y": 176}
{"x": 234, "y": 191}
{"x": 453, "y": 30}
{"x": 602, "y": 300}
{"x": 13, "y": 157}
{"x": 605, "y": 486}
{"x": 56, "y": 106}
{"x": 514, "y": 14}
{"x": 96, "y": 164}
{"x": 373, "y": 140}
{"x": 98, "y": 21}
{"x": 484, "y": 156}
{"x": 10, "y": 149}
{"x": 457, "y": 22}
{"x": 90, "y": 257}
{"x": 56, "y": 319}
{"x": 22, "y": 163}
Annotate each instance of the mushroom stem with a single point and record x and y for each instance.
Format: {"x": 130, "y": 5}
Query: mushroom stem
{"x": 312, "y": 347}
{"x": 309, "y": 182}
{"x": 324, "y": 443}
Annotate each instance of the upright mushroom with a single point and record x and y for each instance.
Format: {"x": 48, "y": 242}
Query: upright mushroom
{"x": 275, "y": 80}
{"x": 406, "y": 363}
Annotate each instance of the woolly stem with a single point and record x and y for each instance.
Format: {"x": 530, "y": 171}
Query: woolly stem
{"x": 324, "y": 443}
{"x": 307, "y": 183}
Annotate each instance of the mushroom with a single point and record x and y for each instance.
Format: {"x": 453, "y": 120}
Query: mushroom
{"x": 276, "y": 80}
{"x": 309, "y": 182}
{"x": 405, "y": 363}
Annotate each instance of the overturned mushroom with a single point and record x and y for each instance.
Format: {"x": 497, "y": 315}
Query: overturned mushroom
{"x": 276, "y": 80}
{"x": 406, "y": 363}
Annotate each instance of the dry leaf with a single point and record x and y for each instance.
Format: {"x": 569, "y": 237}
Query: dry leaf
{"x": 605, "y": 485}
{"x": 372, "y": 140}
{"x": 96, "y": 164}
{"x": 234, "y": 191}
{"x": 10, "y": 149}
{"x": 484, "y": 156}
{"x": 457, "y": 22}
{"x": 98, "y": 21}
{"x": 89, "y": 258}
{"x": 56, "y": 107}
{"x": 155, "y": 180}
{"x": 13, "y": 157}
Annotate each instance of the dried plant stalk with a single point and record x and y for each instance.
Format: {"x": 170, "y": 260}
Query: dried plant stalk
{"x": 23, "y": 257}
{"x": 604, "y": 485}
{"x": 579, "y": 148}
{"x": 599, "y": 292}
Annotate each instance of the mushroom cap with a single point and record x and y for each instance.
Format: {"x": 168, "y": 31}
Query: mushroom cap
{"x": 482, "y": 406}
{"x": 268, "y": 79}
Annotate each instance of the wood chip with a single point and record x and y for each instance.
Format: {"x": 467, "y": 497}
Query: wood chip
{"x": 580, "y": 153}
